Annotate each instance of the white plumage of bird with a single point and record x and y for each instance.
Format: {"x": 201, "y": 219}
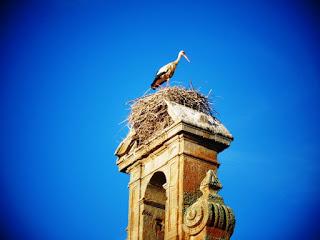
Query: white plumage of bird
{"x": 166, "y": 72}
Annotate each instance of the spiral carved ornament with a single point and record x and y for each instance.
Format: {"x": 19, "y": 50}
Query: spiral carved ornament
{"x": 196, "y": 217}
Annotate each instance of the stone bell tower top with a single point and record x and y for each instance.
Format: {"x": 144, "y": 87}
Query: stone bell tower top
{"x": 185, "y": 120}
{"x": 171, "y": 156}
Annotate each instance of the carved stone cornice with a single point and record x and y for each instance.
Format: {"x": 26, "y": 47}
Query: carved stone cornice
{"x": 194, "y": 133}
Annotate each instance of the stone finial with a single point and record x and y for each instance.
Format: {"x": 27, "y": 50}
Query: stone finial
{"x": 208, "y": 216}
{"x": 210, "y": 183}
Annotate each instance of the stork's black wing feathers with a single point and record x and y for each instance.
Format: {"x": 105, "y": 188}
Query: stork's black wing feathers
{"x": 154, "y": 83}
{"x": 157, "y": 77}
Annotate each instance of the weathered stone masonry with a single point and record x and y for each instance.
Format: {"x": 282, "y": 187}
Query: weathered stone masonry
{"x": 173, "y": 189}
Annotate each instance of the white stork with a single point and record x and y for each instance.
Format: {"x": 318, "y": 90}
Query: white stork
{"x": 166, "y": 72}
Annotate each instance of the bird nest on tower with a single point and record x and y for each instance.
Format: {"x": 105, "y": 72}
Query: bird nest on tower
{"x": 149, "y": 113}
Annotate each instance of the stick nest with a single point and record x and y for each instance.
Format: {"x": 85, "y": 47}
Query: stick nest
{"x": 149, "y": 113}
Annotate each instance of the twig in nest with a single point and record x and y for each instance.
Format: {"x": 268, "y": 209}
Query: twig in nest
{"x": 149, "y": 113}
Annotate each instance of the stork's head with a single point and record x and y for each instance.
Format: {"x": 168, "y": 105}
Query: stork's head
{"x": 182, "y": 53}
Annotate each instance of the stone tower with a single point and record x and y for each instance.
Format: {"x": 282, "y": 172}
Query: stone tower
{"x": 173, "y": 189}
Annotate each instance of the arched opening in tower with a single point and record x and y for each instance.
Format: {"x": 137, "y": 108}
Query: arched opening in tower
{"x": 154, "y": 208}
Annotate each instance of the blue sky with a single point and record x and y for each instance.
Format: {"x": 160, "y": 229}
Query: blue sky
{"x": 69, "y": 67}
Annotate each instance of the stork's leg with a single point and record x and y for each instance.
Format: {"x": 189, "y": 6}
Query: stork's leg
{"x": 168, "y": 82}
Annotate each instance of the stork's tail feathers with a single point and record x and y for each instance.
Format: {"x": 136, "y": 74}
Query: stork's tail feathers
{"x": 155, "y": 84}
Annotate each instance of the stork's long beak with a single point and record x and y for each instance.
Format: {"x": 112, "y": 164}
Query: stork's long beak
{"x": 186, "y": 57}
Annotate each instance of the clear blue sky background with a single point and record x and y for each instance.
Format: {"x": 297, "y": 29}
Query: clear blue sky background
{"x": 69, "y": 67}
